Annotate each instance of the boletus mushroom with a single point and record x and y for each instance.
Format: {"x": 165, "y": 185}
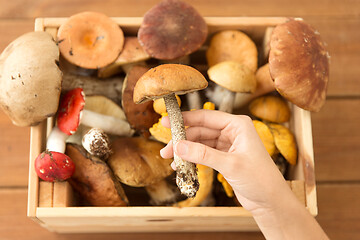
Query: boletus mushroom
{"x": 30, "y": 82}
{"x": 299, "y": 64}
{"x": 172, "y": 29}
{"x": 270, "y": 108}
{"x": 90, "y": 40}
{"x": 165, "y": 81}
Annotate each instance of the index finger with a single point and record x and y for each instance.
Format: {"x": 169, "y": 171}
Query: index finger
{"x": 203, "y": 118}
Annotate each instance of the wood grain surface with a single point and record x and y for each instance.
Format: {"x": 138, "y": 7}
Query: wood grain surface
{"x": 336, "y": 127}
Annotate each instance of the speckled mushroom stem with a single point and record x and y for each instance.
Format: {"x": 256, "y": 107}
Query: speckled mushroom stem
{"x": 186, "y": 172}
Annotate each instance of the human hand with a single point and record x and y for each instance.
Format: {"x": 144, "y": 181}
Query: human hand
{"x": 230, "y": 144}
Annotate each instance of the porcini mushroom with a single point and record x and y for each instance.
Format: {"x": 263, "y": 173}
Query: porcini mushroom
{"x": 90, "y": 40}
{"x": 233, "y": 77}
{"x": 137, "y": 162}
{"x": 94, "y": 180}
{"x": 30, "y": 83}
{"x": 270, "y": 108}
{"x": 165, "y": 81}
{"x": 299, "y": 64}
{"x": 172, "y": 29}
{"x": 140, "y": 116}
{"x": 132, "y": 53}
{"x": 71, "y": 113}
{"x": 232, "y": 45}
{"x": 97, "y": 143}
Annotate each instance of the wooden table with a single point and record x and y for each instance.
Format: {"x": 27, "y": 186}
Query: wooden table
{"x": 336, "y": 128}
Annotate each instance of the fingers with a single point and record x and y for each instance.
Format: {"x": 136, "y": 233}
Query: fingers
{"x": 204, "y": 118}
{"x": 195, "y": 134}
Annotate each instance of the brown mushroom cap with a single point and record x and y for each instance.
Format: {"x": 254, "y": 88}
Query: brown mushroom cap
{"x": 140, "y": 116}
{"x": 137, "y": 161}
{"x": 172, "y": 29}
{"x": 168, "y": 78}
{"x": 90, "y": 40}
{"x": 233, "y": 76}
{"x": 299, "y": 64}
{"x": 232, "y": 45}
{"x": 94, "y": 180}
{"x": 30, "y": 80}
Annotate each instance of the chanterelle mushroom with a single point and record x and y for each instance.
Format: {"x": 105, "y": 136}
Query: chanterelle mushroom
{"x": 30, "y": 80}
{"x": 299, "y": 64}
{"x": 165, "y": 81}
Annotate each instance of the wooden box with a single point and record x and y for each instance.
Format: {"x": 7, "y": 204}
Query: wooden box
{"x": 50, "y": 204}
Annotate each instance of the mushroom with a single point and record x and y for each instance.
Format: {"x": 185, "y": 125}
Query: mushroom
{"x": 232, "y": 45}
{"x": 52, "y": 164}
{"x": 97, "y": 143}
{"x": 284, "y": 142}
{"x": 30, "y": 83}
{"x": 172, "y": 29}
{"x": 299, "y": 64}
{"x": 94, "y": 180}
{"x": 132, "y": 53}
{"x": 159, "y": 132}
{"x": 90, "y": 40}
{"x": 110, "y": 87}
{"x": 159, "y": 104}
{"x": 165, "y": 81}
{"x": 270, "y": 108}
{"x": 266, "y": 136}
{"x": 71, "y": 113}
{"x": 233, "y": 77}
{"x": 227, "y": 187}
{"x": 140, "y": 116}
{"x": 137, "y": 162}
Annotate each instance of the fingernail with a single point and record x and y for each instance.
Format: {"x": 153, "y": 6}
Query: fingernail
{"x": 162, "y": 152}
{"x": 173, "y": 166}
{"x": 181, "y": 148}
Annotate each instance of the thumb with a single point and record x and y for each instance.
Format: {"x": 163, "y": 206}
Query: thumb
{"x": 200, "y": 153}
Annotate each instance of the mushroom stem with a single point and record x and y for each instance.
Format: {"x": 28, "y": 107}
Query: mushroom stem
{"x": 186, "y": 172}
{"x": 194, "y": 101}
{"x": 56, "y": 140}
{"x": 97, "y": 143}
{"x": 109, "y": 124}
{"x": 161, "y": 193}
{"x": 227, "y": 103}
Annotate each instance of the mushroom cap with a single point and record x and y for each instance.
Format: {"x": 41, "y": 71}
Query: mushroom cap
{"x": 140, "y": 116}
{"x": 266, "y": 136}
{"x": 172, "y": 29}
{"x": 90, "y": 40}
{"x": 270, "y": 108}
{"x": 137, "y": 161}
{"x": 299, "y": 64}
{"x": 30, "y": 82}
{"x": 71, "y": 105}
{"x": 232, "y": 45}
{"x": 94, "y": 180}
{"x": 233, "y": 76}
{"x": 284, "y": 142}
{"x": 103, "y": 105}
{"x": 159, "y": 132}
{"x": 265, "y": 84}
{"x": 166, "y": 79}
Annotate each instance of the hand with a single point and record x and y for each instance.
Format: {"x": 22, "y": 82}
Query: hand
{"x": 230, "y": 144}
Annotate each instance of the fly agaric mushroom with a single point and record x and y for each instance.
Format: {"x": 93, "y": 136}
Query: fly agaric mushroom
{"x": 233, "y": 77}
{"x": 137, "y": 162}
{"x": 30, "y": 83}
{"x": 94, "y": 180}
{"x": 232, "y": 45}
{"x": 52, "y": 164}
{"x": 140, "y": 116}
{"x": 172, "y": 29}
{"x": 71, "y": 113}
{"x": 270, "y": 108}
{"x": 132, "y": 53}
{"x": 97, "y": 143}
{"x": 299, "y": 64}
{"x": 165, "y": 81}
{"x": 90, "y": 40}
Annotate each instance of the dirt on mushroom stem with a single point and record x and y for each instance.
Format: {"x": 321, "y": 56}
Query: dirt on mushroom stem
{"x": 186, "y": 172}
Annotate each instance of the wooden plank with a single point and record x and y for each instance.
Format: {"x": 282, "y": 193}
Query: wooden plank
{"x": 48, "y": 8}
{"x": 46, "y": 190}
{"x": 63, "y": 195}
{"x": 336, "y": 132}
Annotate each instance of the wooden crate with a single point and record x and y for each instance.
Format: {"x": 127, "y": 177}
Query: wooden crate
{"x": 51, "y": 204}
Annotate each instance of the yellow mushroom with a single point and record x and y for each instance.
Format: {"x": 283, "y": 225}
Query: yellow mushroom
{"x": 159, "y": 104}
{"x": 270, "y": 108}
{"x": 284, "y": 142}
{"x": 266, "y": 136}
{"x": 159, "y": 132}
{"x": 228, "y": 189}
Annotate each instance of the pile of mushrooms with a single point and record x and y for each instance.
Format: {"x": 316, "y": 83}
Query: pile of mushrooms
{"x": 108, "y": 92}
